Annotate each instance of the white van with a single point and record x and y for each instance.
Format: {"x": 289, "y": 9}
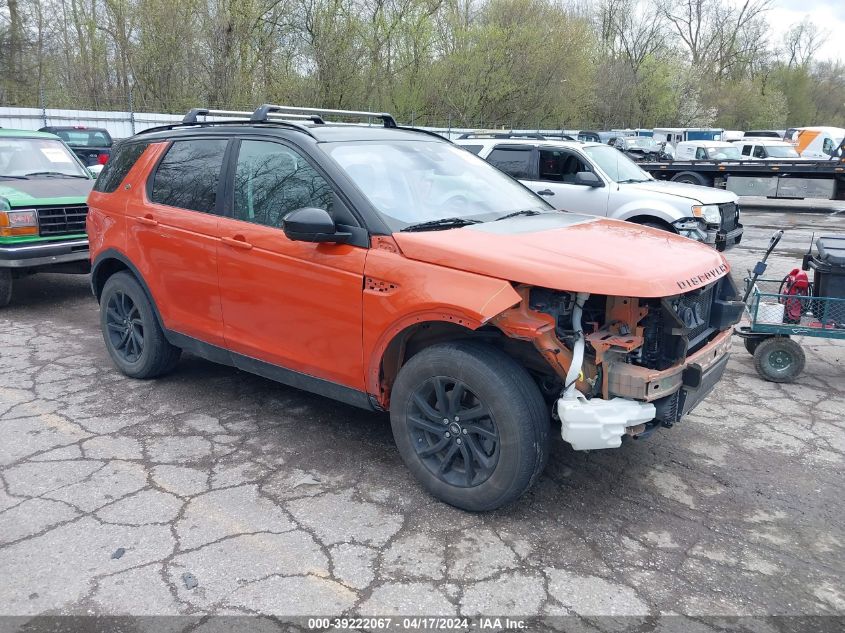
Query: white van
{"x": 766, "y": 149}
{"x": 820, "y": 142}
{"x": 706, "y": 150}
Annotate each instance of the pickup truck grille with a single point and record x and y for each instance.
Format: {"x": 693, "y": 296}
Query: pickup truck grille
{"x": 730, "y": 216}
{"x": 54, "y": 221}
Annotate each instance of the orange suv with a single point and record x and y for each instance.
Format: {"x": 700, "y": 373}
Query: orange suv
{"x": 390, "y": 269}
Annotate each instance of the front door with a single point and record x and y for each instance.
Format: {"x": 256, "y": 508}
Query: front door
{"x": 296, "y": 305}
{"x": 557, "y": 171}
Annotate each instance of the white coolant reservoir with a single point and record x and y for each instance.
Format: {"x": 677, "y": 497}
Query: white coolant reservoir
{"x": 597, "y": 423}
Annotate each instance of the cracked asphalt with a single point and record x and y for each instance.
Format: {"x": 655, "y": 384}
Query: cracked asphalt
{"x": 118, "y": 495}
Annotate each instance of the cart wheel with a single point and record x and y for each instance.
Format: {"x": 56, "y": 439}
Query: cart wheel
{"x": 752, "y": 343}
{"x": 779, "y": 359}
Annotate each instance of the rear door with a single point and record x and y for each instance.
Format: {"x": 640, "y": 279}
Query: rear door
{"x": 172, "y": 236}
{"x": 292, "y": 304}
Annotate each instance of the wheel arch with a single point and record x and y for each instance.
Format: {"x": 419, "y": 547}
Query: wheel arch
{"x": 647, "y": 209}
{"x": 431, "y": 330}
{"x": 112, "y": 261}
{"x": 645, "y": 219}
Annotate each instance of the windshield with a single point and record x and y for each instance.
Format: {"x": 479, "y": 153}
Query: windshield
{"x": 410, "y": 182}
{"x": 641, "y": 142}
{"x": 37, "y": 157}
{"x": 723, "y": 153}
{"x": 85, "y": 138}
{"x": 616, "y": 165}
{"x": 781, "y": 151}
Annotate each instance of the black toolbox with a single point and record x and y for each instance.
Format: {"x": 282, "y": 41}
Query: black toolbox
{"x": 828, "y": 265}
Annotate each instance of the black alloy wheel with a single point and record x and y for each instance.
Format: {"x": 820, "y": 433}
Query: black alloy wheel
{"x": 453, "y": 432}
{"x": 124, "y": 327}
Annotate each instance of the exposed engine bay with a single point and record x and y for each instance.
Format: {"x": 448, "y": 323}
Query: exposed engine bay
{"x": 624, "y": 363}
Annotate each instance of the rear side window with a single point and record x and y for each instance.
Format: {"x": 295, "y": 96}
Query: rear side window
{"x": 188, "y": 175}
{"x": 514, "y": 161}
{"x": 746, "y": 150}
{"x": 122, "y": 160}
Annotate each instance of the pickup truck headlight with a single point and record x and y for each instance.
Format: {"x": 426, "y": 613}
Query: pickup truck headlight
{"x": 18, "y": 223}
{"x": 709, "y": 213}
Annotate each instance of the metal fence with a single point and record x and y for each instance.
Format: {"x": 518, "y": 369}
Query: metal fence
{"x": 122, "y": 124}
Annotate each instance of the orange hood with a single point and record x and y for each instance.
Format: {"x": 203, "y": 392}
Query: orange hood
{"x": 576, "y": 253}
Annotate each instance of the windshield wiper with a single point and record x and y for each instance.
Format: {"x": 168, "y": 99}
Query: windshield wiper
{"x": 15, "y": 177}
{"x": 442, "y": 223}
{"x": 631, "y": 180}
{"x": 516, "y": 213}
{"x": 55, "y": 173}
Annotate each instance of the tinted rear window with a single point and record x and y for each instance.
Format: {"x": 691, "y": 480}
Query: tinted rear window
{"x": 85, "y": 138}
{"x": 122, "y": 160}
{"x": 188, "y": 175}
{"x": 516, "y": 161}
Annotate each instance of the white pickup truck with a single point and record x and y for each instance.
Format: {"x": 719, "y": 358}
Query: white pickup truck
{"x": 600, "y": 180}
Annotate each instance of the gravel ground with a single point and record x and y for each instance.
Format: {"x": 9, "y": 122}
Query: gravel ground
{"x": 212, "y": 491}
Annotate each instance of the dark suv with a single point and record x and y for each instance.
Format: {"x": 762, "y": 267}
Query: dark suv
{"x": 91, "y": 144}
{"x": 388, "y": 268}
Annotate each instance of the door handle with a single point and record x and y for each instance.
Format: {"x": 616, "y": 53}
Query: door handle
{"x": 148, "y": 220}
{"x": 238, "y": 242}
{"x": 546, "y": 192}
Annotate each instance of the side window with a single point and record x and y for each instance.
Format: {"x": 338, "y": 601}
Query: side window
{"x": 551, "y": 165}
{"x": 271, "y": 180}
{"x": 700, "y": 154}
{"x": 560, "y": 166}
{"x": 122, "y": 160}
{"x": 188, "y": 175}
{"x": 746, "y": 150}
{"x": 472, "y": 148}
{"x": 759, "y": 151}
{"x": 827, "y": 146}
{"x": 515, "y": 161}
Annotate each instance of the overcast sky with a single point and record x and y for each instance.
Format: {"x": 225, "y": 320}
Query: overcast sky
{"x": 828, "y": 15}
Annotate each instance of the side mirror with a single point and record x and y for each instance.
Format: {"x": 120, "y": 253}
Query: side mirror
{"x": 310, "y": 224}
{"x": 588, "y": 179}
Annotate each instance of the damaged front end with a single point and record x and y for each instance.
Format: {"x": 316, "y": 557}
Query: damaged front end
{"x": 625, "y": 365}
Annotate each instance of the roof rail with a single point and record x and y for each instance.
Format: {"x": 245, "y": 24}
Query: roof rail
{"x": 262, "y": 112}
{"x": 526, "y": 135}
{"x": 193, "y": 113}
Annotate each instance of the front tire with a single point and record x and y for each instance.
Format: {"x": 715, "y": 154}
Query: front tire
{"x": 779, "y": 359}
{"x": 470, "y": 424}
{"x": 5, "y": 286}
{"x": 131, "y": 330}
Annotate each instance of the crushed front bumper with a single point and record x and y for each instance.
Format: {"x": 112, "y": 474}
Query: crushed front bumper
{"x": 728, "y": 239}
{"x": 651, "y": 398}
{"x": 696, "y": 229}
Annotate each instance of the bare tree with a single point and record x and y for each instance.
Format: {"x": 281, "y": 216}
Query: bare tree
{"x": 802, "y": 42}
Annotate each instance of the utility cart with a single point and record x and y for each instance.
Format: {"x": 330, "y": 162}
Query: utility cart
{"x": 780, "y": 309}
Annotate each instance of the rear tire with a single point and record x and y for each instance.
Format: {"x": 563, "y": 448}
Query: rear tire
{"x": 752, "y": 343}
{"x": 779, "y": 359}
{"x": 131, "y": 331}
{"x": 693, "y": 178}
{"x": 470, "y": 424}
{"x": 5, "y": 286}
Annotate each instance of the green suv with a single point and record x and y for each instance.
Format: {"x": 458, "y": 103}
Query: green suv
{"x": 43, "y": 193}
